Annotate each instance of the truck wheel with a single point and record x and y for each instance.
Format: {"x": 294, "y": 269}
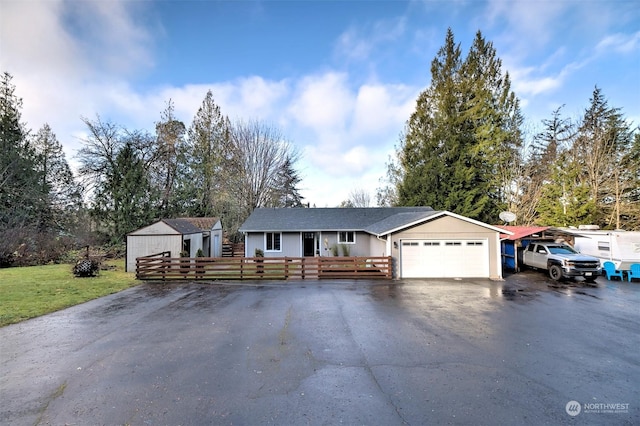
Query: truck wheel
{"x": 555, "y": 272}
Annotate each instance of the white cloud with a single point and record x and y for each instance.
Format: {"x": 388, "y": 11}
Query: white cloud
{"x": 107, "y": 35}
{"x": 379, "y": 108}
{"x": 359, "y": 42}
{"x": 526, "y": 83}
{"x": 322, "y": 102}
{"x": 34, "y": 39}
{"x": 526, "y": 23}
{"x": 70, "y": 59}
{"x": 620, "y": 43}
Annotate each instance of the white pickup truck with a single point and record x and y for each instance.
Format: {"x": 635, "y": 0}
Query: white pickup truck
{"x": 560, "y": 260}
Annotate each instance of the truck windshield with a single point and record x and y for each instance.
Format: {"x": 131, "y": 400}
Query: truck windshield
{"x": 562, "y": 250}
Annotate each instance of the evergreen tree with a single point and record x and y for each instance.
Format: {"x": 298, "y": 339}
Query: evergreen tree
{"x": 64, "y": 194}
{"x": 565, "y": 201}
{"x": 548, "y": 145}
{"x": 204, "y": 157}
{"x": 464, "y": 136}
{"x": 22, "y": 197}
{"x": 117, "y": 164}
{"x": 286, "y": 192}
{"x": 603, "y": 140}
{"x": 124, "y": 203}
{"x": 430, "y": 147}
{"x": 493, "y": 116}
{"x": 627, "y": 201}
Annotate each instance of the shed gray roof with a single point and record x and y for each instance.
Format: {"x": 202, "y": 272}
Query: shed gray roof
{"x": 183, "y": 226}
{"x": 374, "y": 220}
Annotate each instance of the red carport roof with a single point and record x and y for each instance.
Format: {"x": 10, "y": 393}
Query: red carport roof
{"x": 521, "y": 231}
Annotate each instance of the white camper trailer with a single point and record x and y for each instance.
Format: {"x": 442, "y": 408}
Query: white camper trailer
{"x": 620, "y": 247}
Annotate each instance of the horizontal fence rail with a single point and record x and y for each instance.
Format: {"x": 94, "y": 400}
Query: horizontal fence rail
{"x": 162, "y": 267}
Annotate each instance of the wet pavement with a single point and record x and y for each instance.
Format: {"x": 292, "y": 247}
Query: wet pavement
{"x": 323, "y": 353}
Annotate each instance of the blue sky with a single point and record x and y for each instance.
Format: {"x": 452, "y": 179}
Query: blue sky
{"x": 338, "y": 78}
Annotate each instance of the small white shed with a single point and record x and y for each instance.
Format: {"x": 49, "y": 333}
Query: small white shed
{"x": 175, "y": 236}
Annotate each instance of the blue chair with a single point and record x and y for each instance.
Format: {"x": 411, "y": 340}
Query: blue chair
{"x": 634, "y": 271}
{"x": 610, "y": 270}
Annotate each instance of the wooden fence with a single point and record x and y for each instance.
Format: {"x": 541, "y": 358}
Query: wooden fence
{"x": 162, "y": 267}
{"x": 233, "y": 250}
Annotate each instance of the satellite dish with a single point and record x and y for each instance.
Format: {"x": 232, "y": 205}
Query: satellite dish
{"x": 507, "y": 216}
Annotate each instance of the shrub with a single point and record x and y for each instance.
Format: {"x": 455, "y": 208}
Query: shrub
{"x": 28, "y": 247}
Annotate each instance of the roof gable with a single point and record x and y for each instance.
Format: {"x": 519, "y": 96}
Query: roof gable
{"x": 156, "y": 228}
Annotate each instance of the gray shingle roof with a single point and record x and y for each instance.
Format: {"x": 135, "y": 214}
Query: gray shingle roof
{"x": 202, "y": 223}
{"x": 375, "y": 220}
{"x": 182, "y": 226}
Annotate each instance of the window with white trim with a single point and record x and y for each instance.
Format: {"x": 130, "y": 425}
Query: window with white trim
{"x": 272, "y": 241}
{"x": 346, "y": 237}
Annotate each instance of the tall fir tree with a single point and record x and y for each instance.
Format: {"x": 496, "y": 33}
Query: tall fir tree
{"x": 461, "y": 141}
{"x": 64, "y": 193}
{"x": 204, "y": 156}
{"x": 428, "y": 150}
{"x": 603, "y": 140}
{"x": 555, "y": 139}
{"x": 23, "y": 199}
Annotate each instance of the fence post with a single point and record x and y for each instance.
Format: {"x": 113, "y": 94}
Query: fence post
{"x": 286, "y": 268}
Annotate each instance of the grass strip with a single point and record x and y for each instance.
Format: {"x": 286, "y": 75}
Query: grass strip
{"x": 33, "y": 291}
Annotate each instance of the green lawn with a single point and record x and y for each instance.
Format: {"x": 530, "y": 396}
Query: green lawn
{"x": 37, "y": 290}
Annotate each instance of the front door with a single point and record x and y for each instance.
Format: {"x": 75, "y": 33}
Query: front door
{"x": 308, "y": 244}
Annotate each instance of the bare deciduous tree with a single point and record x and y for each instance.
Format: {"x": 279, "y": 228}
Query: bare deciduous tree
{"x": 260, "y": 156}
{"x": 358, "y": 197}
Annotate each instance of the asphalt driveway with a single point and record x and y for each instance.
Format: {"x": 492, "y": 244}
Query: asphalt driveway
{"x": 409, "y": 352}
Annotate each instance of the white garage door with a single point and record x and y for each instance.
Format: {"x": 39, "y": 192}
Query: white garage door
{"x": 444, "y": 258}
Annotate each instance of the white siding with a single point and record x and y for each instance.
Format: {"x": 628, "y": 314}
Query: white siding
{"x": 144, "y": 245}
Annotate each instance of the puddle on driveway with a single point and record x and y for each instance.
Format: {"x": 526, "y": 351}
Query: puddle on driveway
{"x": 518, "y": 294}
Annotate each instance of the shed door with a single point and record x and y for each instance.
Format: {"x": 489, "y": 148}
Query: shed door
{"x": 444, "y": 258}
